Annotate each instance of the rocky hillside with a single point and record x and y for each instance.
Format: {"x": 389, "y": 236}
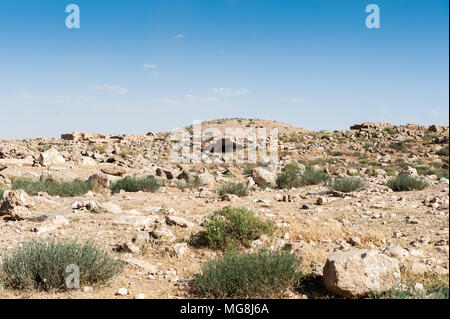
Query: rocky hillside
{"x": 366, "y": 208}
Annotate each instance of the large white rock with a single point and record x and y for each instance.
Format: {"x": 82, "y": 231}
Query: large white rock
{"x": 15, "y": 204}
{"x": 408, "y": 171}
{"x": 263, "y": 176}
{"x": 358, "y": 273}
{"x": 52, "y": 225}
{"x": 19, "y": 213}
{"x": 13, "y": 198}
{"x": 88, "y": 161}
{"x": 178, "y": 221}
{"x": 51, "y": 157}
{"x": 206, "y": 179}
{"x": 106, "y": 208}
{"x": 163, "y": 233}
{"x": 136, "y": 220}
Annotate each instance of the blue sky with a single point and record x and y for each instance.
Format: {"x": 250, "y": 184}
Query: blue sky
{"x": 153, "y": 65}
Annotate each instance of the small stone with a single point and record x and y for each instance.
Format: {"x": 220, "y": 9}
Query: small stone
{"x": 355, "y": 241}
{"x": 142, "y": 238}
{"x": 178, "y": 221}
{"x": 122, "y": 291}
{"x": 87, "y": 289}
{"x": 129, "y": 247}
{"x": 321, "y": 201}
{"x": 163, "y": 233}
{"x": 178, "y": 250}
{"x": 419, "y": 287}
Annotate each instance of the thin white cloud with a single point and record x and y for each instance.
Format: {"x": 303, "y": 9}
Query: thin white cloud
{"x": 435, "y": 112}
{"x": 220, "y": 52}
{"x": 55, "y": 99}
{"x": 294, "y": 100}
{"x": 112, "y": 88}
{"x": 229, "y": 92}
{"x": 179, "y": 36}
{"x": 169, "y": 101}
{"x": 192, "y": 100}
{"x": 25, "y": 96}
{"x": 6, "y": 103}
{"x": 150, "y": 66}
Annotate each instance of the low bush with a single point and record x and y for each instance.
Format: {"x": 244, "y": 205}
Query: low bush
{"x": 248, "y": 169}
{"x": 335, "y": 153}
{"x": 409, "y": 292}
{"x": 443, "y": 172}
{"x": 238, "y": 189}
{"x": 443, "y": 151}
{"x": 53, "y": 188}
{"x": 190, "y": 184}
{"x": 313, "y": 177}
{"x": 347, "y": 184}
{"x": 42, "y": 265}
{"x": 400, "y": 146}
{"x": 99, "y": 149}
{"x": 290, "y": 177}
{"x": 390, "y": 130}
{"x": 261, "y": 274}
{"x": 231, "y": 227}
{"x": 406, "y": 183}
{"x": 136, "y": 184}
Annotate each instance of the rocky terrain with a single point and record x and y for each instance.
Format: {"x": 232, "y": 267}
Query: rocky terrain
{"x": 351, "y": 243}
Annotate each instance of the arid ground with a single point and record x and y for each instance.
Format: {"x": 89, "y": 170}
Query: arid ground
{"x": 314, "y": 221}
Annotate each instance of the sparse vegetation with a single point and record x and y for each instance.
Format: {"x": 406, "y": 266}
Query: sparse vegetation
{"x": 442, "y": 173}
{"x": 347, "y": 184}
{"x": 249, "y": 168}
{"x": 238, "y": 189}
{"x": 53, "y": 188}
{"x": 177, "y": 232}
{"x": 128, "y": 152}
{"x": 190, "y": 184}
{"x": 261, "y": 274}
{"x": 406, "y": 183}
{"x": 400, "y": 147}
{"x": 409, "y": 292}
{"x": 99, "y": 149}
{"x": 290, "y": 177}
{"x": 231, "y": 227}
{"x": 313, "y": 177}
{"x": 42, "y": 265}
{"x": 294, "y": 138}
{"x": 443, "y": 151}
{"x": 390, "y": 130}
{"x": 134, "y": 184}
{"x": 439, "y": 172}
{"x": 335, "y": 153}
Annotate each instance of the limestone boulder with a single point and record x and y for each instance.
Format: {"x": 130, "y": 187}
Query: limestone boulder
{"x": 358, "y": 273}
{"x": 408, "y": 171}
{"x": 51, "y": 157}
{"x": 262, "y": 175}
